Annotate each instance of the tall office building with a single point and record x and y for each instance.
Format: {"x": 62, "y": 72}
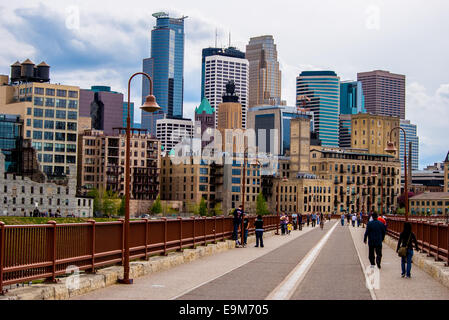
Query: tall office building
{"x": 125, "y": 114}
{"x": 103, "y": 106}
{"x": 50, "y": 113}
{"x": 411, "y": 132}
{"x": 352, "y": 101}
{"x": 264, "y": 73}
{"x": 166, "y": 68}
{"x": 218, "y": 70}
{"x": 319, "y": 92}
{"x": 446, "y": 173}
{"x": 384, "y": 92}
{"x": 264, "y": 119}
{"x": 171, "y": 131}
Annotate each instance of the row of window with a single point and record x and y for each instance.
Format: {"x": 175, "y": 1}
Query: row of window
{"x": 57, "y": 147}
{"x": 58, "y": 136}
{"x": 58, "y": 103}
{"x": 41, "y": 189}
{"x": 51, "y": 92}
{"x": 50, "y": 124}
{"x": 50, "y": 113}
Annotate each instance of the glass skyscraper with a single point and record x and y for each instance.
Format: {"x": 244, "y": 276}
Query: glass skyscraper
{"x": 319, "y": 92}
{"x": 166, "y": 68}
{"x": 11, "y": 128}
{"x": 410, "y": 130}
{"x": 352, "y": 101}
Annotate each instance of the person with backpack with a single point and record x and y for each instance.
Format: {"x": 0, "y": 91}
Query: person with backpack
{"x": 405, "y": 249}
{"x": 375, "y": 232}
{"x": 258, "y": 225}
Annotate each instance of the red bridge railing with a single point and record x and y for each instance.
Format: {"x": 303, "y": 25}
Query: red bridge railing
{"x": 30, "y": 252}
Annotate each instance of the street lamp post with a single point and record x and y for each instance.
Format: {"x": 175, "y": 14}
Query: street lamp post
{"x": 391, "y": 149}
{"x": 244, "y": 187}
{"x": 150, "y": 105}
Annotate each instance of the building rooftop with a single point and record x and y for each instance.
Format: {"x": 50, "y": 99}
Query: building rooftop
{"x": 204, "y": 107}
{"x": 318, "y": 73}
{"x": 431, "y": 196}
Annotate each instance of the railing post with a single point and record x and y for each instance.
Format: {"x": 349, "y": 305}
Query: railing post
{"x": 146, "y": 238}
{"x": 93, "y": 244}
{"x": 193, "y": 217}
{"x": 180, "y": 233}
{"x": 447, "y": 244}
{"x": 215, "y": 229}
{"x": 205, "y": 222}
{"x": 222, "y": 228}
{"x": 165, "y": 236}
{"x": 51, "y": 247}
{"x": 438, "y": 241}
{"x": 123, "y": 240}
{"x": 2, "y": 254}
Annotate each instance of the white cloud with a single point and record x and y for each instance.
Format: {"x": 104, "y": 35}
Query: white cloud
{"x": 431, "y": 113}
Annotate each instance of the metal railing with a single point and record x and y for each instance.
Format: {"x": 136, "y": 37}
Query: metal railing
{"x": 432, "y": 237}
{"x": 44, "y": 251}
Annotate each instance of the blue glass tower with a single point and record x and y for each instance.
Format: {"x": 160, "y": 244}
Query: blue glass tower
{"x": 319, "y": 92}
{"x": 352, "y": 101}
{"x": 412, "y": 136}
{"x": 166, "y": 68}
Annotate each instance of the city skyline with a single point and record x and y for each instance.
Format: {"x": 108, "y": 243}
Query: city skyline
{"x": 85, "y": 54}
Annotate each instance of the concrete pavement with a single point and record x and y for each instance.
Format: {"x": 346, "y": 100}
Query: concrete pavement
{"x": 337, "y": 272}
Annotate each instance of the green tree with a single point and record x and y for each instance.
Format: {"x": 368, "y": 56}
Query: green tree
{"x": 202, "y": 208}
{"x": 121, "y": 210}
{"x": 217, "y": 209}
{"x": 156, "y": 208}
{"x": 261, "y": 205}
{"x": 110, "y": 203}
{"x": 98, "y": 203}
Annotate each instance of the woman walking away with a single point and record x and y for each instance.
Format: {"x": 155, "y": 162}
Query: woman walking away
{"x": 405, "y": 248}
{"x": 258, "y": 225}
{"x": 342, "y": 219}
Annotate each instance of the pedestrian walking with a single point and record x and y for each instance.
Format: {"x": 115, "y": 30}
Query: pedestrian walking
{"x": 359, "y": 220}
{"x": 317, "y": 219}
{"x": 295, "y": 220}
{"x": 236, "y": 221}
{"x": 300, "y": 221}
{"x": 342, "y": 219}
{"x": 258, "y": 225}
{"x": 405, "y": 249}
{"x": 375, "y": 232}
{"x": 313, "y": 219}
{"x": 245, "y": 229}
{"x": 308, "y": 219}
{"x": 354, "y": 218}
{"x": 348, "y": 217}
{"x": 283, "y": 223}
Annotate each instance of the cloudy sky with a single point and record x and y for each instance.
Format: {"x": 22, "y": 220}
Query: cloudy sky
{"x": 103, "y": 43}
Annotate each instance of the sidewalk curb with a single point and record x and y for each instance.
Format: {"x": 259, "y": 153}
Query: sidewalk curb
{"x": 108, "y": 276}
{"x": 436, "y": 269}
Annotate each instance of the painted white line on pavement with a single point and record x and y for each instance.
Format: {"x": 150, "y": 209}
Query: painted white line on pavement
{"x": 240, "y": 265}
{"x": 371, "y": 290}
{"x": 288, "y": 286}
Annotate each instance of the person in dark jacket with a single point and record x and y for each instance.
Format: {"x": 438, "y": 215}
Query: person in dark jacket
{"x": 258, "y": 225}
{"x": 236, "y": 221}
{"x": 407, "y": 239}
{"x": 245, "y": 229}
{"x": 300, "y": 221}
{"x": 375, "y": 232}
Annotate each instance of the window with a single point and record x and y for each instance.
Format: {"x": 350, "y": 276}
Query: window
{"x": 59, "y": 158}
{"x": 48, "y": 158}
{"x": 50, "y": 92}
{"x": 38, "y": 112}
{"x": 48, "y": 135}
{"x": 73, "y": 94}
{"x": 29, "y": 111}
{"x": 60, "y": 136}
{"x": 72, "y": 115}
{"x": 60, "y": 125}
{"x": 38, "y": 90}
{"x": 38, "y": 101}
{"x": 71, "y": 137}
{"x": 71, "y": 148}
{"x": 73, "y": 104}
{"x": 49, "y": 113}
{"x": 48, "y": 146}
{"x": 37, "y": 124}
{"x": 203, "y": 171}
{"x": 61, "y": 93}
{"x": 28, "y": 134}
{"x": 60, "y": 114}
{"x": 59, "y": 147}
{"x": 71, "y": 159}
{"x": 49, "y": 124}
{"x": 49, "y": 102}
{"x": 37, "y": 135}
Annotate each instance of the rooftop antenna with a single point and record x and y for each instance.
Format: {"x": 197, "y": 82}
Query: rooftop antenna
{"x": 216, "y": 35}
